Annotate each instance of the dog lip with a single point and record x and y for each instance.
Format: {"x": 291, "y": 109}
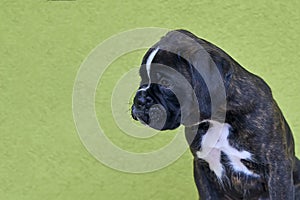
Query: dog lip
{"x": 139, "y": 115}
{"x": 133, "y": 113}
{"x": 142, "y": 121}
{"x": 155, "y": 112}
{"x": 157, "y": 116}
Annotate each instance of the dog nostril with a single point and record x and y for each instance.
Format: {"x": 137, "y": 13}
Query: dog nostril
{"x": 141, "y": 101}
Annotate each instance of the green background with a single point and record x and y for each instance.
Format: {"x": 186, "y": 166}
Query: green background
{"x": 43, "y": 43}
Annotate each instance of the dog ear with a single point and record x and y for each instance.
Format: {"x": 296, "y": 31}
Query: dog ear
{"x": 212, "y": 75}
{"x": 225, "y": 68}
{"x": 210, "y": 71}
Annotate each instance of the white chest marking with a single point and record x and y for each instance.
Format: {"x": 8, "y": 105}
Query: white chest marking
{"x": 148, "y": 66}
{"x": 214, "y": 142}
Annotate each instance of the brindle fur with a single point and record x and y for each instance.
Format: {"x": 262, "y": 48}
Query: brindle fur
{"x": 258, "y": 126}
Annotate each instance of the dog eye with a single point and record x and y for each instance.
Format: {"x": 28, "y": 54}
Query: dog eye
{"x": 165, "y": 82}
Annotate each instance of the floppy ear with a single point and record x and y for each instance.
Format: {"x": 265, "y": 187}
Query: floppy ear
{"x": 201, "y": 90}
{"x": 224, "y": 67}
{"x": 212, "y": 74}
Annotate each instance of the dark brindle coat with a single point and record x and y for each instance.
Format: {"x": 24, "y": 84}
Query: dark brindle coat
{"x": 256, "y": 123}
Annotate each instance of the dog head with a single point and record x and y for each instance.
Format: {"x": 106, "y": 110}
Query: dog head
{"x": 179, "y": 76}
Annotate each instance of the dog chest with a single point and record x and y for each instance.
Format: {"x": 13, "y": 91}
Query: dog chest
{"x": 214, "y": 143}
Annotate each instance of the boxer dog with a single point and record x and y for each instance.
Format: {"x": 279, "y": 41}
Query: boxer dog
{"x": 243, "y": 147}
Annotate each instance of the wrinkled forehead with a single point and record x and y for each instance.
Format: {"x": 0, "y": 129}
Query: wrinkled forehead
{"x": 157, "y": 60}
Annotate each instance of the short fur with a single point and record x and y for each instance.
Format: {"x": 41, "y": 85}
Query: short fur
{"x": 257, "y": 124}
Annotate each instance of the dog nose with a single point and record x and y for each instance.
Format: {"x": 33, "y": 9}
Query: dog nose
{"x": 142, "y": 100}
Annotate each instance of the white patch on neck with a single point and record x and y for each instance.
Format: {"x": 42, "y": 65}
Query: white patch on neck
{"x": 148, "y": 66}
{"x": 214, "y": 142}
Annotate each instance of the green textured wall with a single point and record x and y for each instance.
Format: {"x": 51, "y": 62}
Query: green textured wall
{"x": 43, "y": 43}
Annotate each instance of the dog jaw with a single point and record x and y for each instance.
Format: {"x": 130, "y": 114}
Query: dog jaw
{"x": 157, "y": 117}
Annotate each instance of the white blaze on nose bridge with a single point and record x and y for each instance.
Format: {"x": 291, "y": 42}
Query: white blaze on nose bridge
{"x": 148, "y": 67}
